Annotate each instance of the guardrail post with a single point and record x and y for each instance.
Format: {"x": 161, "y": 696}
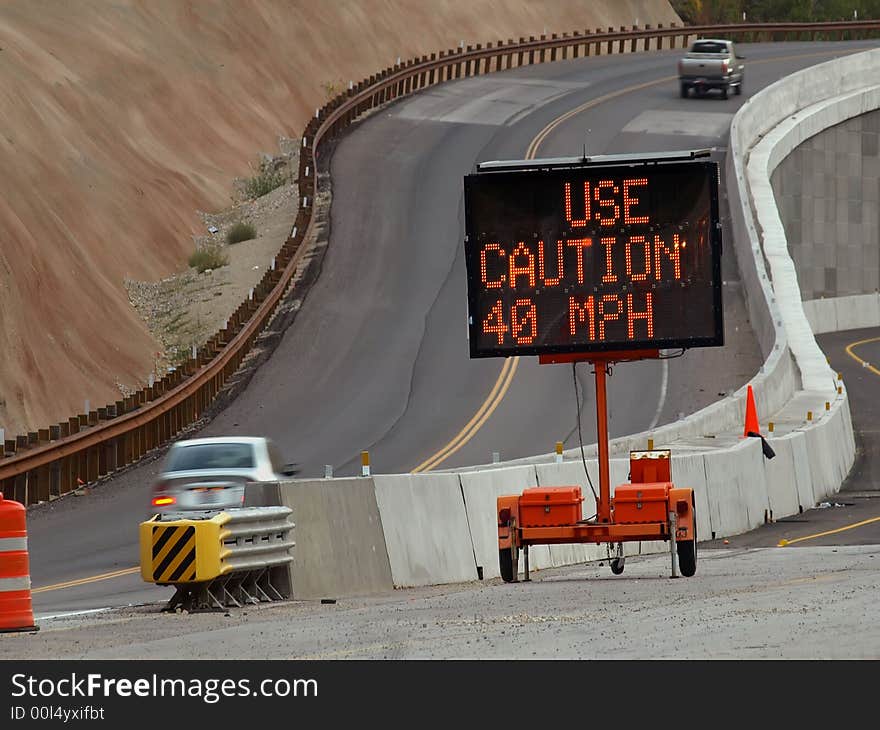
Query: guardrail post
{"x": 21, "y": 481}
{"x": 43, "y": 474}
{"x": 66, "y": 475}
{"x": 632, "y": 43}
{"x": 621, "y": 41}
{"x": 531, "y": 52}
{"x": 102, "y": 449}
{"x": 610, "y": 42}
{"x": 564, "y": 48}
{"x": 647, "y": 38}
{"x": 118, "y": 447}
{"x": 56, "y": 466}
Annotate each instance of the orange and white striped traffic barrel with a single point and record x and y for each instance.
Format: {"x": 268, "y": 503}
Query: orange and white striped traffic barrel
{"x": 16, "y": 612}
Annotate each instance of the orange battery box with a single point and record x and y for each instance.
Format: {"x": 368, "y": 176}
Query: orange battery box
{"x": 642, "y": 503}
{"x": 550, "y": 506}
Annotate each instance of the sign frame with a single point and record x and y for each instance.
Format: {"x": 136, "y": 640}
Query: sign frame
{"x": 632, "y": 163}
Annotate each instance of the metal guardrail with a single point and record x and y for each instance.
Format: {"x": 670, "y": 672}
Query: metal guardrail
{"x": 219, "y": 559}
{"x": 50, "y": 462}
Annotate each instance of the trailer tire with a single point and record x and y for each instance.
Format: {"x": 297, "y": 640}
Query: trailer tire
{"x": 687, "y": 553}
{"x": 617, "y": 565}
{"x": 505, "y": 563}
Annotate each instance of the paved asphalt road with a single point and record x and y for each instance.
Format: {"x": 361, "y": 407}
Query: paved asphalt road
{"x": 377, "y": 358}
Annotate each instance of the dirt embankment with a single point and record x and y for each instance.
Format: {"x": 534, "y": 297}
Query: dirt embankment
{"x": 123, "y": 122}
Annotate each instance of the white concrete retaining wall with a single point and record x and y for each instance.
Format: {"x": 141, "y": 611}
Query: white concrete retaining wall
{"x": 843, "y": 313}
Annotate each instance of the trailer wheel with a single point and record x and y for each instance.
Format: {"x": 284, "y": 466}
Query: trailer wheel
{"x": 505, "y": 563}
{"x": 617, "y": 565}
{"x": 687, "y": 553}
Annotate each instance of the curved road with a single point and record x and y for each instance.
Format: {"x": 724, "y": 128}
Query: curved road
{"x": 377, "y": 358}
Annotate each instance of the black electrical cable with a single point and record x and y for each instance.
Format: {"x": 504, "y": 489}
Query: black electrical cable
{"x": 577, "y": 401}
{"x": 672, "y": 357}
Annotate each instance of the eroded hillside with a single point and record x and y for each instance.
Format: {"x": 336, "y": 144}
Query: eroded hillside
{"x": 121, "y": 120}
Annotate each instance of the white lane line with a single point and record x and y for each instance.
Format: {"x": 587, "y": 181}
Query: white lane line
{"x": 664, "y": 382}
{"x": 49, "y": 617}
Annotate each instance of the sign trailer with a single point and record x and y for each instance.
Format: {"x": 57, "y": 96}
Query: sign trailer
{"x": 596, "y": 259}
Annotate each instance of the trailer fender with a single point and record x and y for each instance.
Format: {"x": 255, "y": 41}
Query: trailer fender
{"x": 682, "y": 502}
{"x": 507, "y": 515}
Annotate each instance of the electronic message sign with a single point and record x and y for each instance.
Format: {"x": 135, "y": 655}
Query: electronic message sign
{"x": 581, "y": 257}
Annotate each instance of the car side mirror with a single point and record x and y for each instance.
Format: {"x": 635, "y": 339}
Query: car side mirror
{"x": 289, "y": 470}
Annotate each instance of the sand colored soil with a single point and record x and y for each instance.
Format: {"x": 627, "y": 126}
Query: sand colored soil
{"x": 123, "y": 122}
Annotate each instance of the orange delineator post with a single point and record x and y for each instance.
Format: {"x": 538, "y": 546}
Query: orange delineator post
{"x": 16, "y": 612}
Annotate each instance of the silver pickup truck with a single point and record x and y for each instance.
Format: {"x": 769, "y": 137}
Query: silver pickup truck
{"x": 711, "y": 63}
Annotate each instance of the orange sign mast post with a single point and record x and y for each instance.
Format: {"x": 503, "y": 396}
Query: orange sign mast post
{"x": 603, "y": 260}
{"x": 601, "y": 363}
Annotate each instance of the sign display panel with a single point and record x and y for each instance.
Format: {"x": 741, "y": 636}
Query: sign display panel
{"x": 590, "y": 258}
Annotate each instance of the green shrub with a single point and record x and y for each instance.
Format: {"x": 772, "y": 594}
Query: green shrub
{"x": 208, "y": 258}
{"x": 263, "y": 182}
{"x": 241, "y": 231}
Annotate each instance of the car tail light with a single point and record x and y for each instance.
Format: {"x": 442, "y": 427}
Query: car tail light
{"x": 164, "y": 500}
{"x": 724, "y": 67}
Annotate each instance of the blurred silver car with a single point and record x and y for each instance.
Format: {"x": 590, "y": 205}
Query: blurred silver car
{"x": 211, "y": 473}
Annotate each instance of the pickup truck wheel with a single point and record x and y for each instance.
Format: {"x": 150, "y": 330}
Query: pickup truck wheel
{"x": 739, "y": 88}
{"x": 684, "y": 91}
{"x": 723, "y": 92}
